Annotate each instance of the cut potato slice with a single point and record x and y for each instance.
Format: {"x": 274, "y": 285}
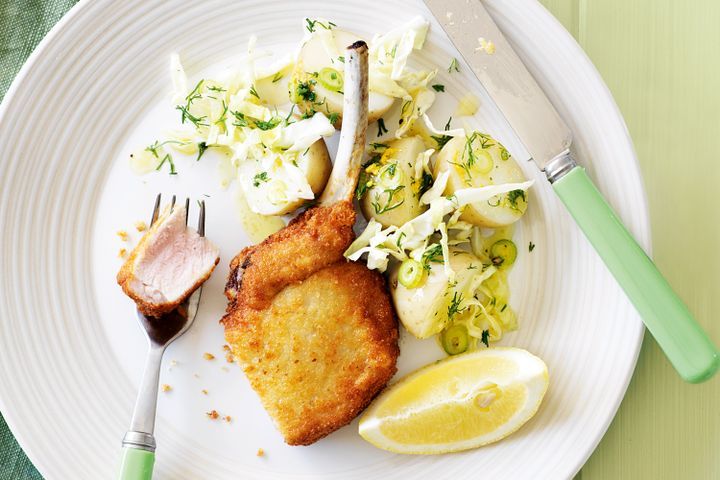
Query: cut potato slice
{"x": 324, "y": 51}
{"x": 479, "y": 160}
{"x": 394, "y": 195}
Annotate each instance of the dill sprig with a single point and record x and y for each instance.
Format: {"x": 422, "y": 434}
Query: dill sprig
{"x": 388, "y": 205}
{"x": 311, "y": 25}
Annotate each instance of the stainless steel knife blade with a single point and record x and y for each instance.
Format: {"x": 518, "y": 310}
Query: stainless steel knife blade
{"x": 505, "y": 78}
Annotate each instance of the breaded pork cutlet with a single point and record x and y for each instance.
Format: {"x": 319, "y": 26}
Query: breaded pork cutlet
{"x": 320, "y": 352}
{"x": 315, "y": 334}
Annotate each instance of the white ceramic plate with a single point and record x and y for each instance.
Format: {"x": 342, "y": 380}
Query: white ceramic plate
{"x": 71, "y": 352}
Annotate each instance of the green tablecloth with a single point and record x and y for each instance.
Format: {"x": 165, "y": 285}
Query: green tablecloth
{"x": 660, "y": 59}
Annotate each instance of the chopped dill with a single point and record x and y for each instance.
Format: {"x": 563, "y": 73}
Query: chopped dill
{"x": 259, "y": 178}
{"x": 432, "y": 254}
{"x": 202, "y": 148}
{"x": 484, "y": 337}
{"x": 186, "y": 115}
{"x": 381, "y": 127}
{"x": 454, "y": 307}
{"x": 311, "y": 25}
{"x": 389, "y": 205}
{"x": 167, "y": 158}
{"x": 240, "y": 120}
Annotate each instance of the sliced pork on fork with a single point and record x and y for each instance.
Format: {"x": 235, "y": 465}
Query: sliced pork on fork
{"x": 169, "y": 263}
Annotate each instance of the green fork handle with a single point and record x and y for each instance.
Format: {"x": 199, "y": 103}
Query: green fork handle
{"x": 682, "y": 339}
{"x": 136, "y": 464}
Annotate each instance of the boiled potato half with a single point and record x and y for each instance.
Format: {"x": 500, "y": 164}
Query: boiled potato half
{"x": 478, "y": 160}
{"x": 391, "y": 191}
{"x": 316, "y": 165}
{"x": 424, "y": 310}
{"x": 318, "y": 81}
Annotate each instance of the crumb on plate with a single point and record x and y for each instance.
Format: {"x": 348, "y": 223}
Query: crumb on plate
{"x": 140, "y": 226}
{"x": 122, "y": 253}
{"x": 166, "y": 387}
{"x": 208, "y": 356}
{"x": 260, "y": 452}
{"x": 123, "y": 235}
{"x": 204, "y": 392}
{"x": 229, "y": 358}
{"x": 226, "y": 348}
{"x": 213, "y": 414}
{"x": 487, "y": 45}
{"x": 227, "y": 418}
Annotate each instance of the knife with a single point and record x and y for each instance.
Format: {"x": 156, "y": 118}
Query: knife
{"x": 548, "y": 139}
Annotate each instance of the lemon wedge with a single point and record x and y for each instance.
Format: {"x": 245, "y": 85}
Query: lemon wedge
{"x": 458, "y": 403}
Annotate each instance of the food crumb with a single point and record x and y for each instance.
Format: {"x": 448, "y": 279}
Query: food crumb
{"x": 213, "y": 414}
{"x": 227, "y": 418}
{"x": 166, "y": 387}
{"x": 123, "y": 235}
{"x": 122, "y": 253}
{"x": 487, "y": 45}
{"x": 226, "y": 348}
{"x": 229, "y": 358}
{"x": 204, "y": 392}
{"x": 140, "y": 226}
{"x": 260, "y": 452}
{"x": 208, "y": 356}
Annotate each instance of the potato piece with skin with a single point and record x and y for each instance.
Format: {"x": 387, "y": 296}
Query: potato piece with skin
{"x": 424, "y": 310}
{"x": 394, "y": 197}
{"x": 478, "y": 160}
{"x": 313, "y": 58}
{"x": 315, "y": 164}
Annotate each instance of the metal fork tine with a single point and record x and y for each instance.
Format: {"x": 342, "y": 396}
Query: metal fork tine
{"x": 156, "y": 209}
{"x": 172, "y": 203}
{"x": 201, "y": 220}
{"x": 187, "y": 209}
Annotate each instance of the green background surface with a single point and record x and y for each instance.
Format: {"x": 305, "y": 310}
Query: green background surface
{"x": 661, "y": 60}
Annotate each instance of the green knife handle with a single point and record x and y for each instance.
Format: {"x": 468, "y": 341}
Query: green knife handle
{"x": 137, "y": 464}
{"x": 682, "y": 339}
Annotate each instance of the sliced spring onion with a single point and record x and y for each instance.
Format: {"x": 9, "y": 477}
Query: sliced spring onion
{"x": 483, "y": 161}
{"x": 455, "y": 339}
{"x": 411, "y": 274}
{"x": 503, "y": 253}
{"x": 331, "y": 79}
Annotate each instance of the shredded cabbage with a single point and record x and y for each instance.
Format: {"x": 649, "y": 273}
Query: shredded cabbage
{"x": 396, "y": 241}
{"x": 388, "y": 57}
{"x": 455, "y": 132}
{"x": 264, "y": 146}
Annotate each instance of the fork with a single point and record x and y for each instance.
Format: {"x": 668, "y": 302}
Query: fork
{"x": 138, "y": 456}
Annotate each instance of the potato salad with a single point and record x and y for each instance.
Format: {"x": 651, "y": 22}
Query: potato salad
{"x": 439, "y": 203}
